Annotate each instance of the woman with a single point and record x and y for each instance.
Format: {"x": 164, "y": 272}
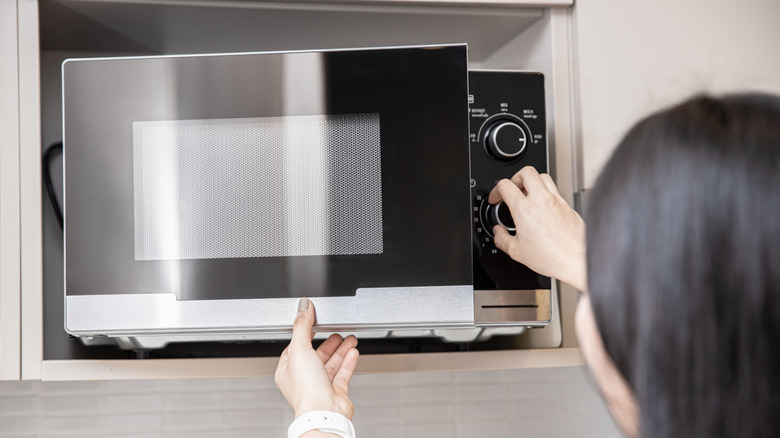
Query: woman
{"x": 680, "y": 317}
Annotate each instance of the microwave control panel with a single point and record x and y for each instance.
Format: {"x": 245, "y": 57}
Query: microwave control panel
{"x": 508, "y": 131}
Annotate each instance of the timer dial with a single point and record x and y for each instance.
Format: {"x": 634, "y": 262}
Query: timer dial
{"x": 496, "y": 214}
{"x": 505, "y": 140}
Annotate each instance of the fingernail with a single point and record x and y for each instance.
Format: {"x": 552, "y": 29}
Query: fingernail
{"x": 303, "y": 304}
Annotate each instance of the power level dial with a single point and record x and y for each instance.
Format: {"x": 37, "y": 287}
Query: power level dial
{"x": 505, "y": 140}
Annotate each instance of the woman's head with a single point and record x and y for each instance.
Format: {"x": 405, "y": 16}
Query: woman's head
{"x": 683, "y": 238}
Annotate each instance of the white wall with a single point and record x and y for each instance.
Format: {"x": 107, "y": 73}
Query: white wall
{"x": 548, "y": 403}
{"x": 636, "y": 56}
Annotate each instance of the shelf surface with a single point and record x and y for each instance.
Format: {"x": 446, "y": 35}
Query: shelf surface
{"x": 262, "y": 367}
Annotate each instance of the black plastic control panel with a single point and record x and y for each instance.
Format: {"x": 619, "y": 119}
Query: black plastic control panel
{"x": 508, "y": 131}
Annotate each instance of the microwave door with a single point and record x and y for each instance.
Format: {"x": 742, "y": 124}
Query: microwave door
{"x": 206, "y": 194}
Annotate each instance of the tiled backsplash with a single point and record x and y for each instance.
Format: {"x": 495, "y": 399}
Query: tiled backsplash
{"x": 555, "y": 402}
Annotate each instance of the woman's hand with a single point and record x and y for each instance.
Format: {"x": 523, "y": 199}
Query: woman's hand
{"x": 316, "y": 380}
{"x": 550, "y": 236}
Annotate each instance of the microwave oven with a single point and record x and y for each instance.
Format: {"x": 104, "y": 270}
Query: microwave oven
{"x": 205, "y": 194}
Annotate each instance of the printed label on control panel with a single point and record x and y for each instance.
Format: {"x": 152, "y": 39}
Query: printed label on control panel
{"x": 479, "y": 112}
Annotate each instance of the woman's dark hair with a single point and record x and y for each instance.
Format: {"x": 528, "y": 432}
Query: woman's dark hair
{"x": 683, "y": 232}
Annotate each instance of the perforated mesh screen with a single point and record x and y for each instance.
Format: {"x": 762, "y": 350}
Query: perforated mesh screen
{"x": 257, "y": 187}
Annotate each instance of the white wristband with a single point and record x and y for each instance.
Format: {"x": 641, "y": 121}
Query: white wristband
{"x": 324, "y": 421}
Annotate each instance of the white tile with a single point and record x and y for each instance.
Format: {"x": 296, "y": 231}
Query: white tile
{"x": 137, "y": 423}
{"x": 428, "y": 430}
{"x": 256, "y": 433}
{"x": 425, "y": 395}
{"x": 575, "y": 373}
{"x": 191, "y": 385}
{"x": 583, "y": 389}
{"x": 426, "y": 413}
{"x": 543, "y": 374}
{"x": 539, "y": 427}
{"x": 194, "y": 434}
{"x": 252, "y": 418}
{"x": 536, "y": 391}
{"x": 544, "y": 403}
{"x": 254, "y": 399}
{"x": 69, "y": 434}
{"x": 132, "y": 402}
{"x": 378, "y": 431}
{"x": 593, "y": 407}
{"x": 375, "y": 415}
{"x": 537, "y": 409}
{"x": 598, "y": 435}
{"x": 482, "y": 429}
{"x": 476, "y": 392}
{"x": 374, "y": 396}
{"x": 13, "y": 426}
{"x": 70, "y": 424}
{"x": 373, "y": 380}
{"x": 71, "y": 387}
{"x": 19, "y": 388}
{"x": 424, "y": 378}
{"x": 119, "y": 434}
{"x": 590, "y": 425}
{"x": 132, "y": 386}
{"x": 192, "y": 401}
{"x": 249, "y": 383}
{"x": 16, "y": 406}
{"x": 175, "y": 421}
{"x": 265, "y": 433}
{"x": 471, "y": 411}
{"x": 71, "y": 404}
{"x": 486, "y": 376}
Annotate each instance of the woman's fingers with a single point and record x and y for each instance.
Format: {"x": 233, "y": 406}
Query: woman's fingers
{"x": 327, "y": 348}
{"x": 506, "y": 191}
{"x": 549, "y": 184}
{"x": 523, "y": 183}
{"x": 344, "y": 374}
{"x": 335, "y": 362}
{"x": 503, "y": 240}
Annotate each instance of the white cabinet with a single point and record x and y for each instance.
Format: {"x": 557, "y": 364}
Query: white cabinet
{"x": 20, "y": 212}
{"x": 526, "y": 35}
{"x": 9, "y": 195}
{"x": 636, "y": 57}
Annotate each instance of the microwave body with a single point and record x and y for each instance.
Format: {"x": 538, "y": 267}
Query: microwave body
{"x": 205, "y": 194}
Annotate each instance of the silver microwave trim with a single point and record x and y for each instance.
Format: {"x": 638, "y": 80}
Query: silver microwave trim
{"x": 370, "y": 309}
{"x": 264, "y": 52}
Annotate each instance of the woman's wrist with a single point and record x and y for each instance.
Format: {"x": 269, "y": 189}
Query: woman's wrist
{"x": 577, "y": 272}
{"x": 333, "y": 407}
{"x": 321, "y": 424}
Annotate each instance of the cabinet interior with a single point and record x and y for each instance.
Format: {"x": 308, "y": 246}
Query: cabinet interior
{"x": 499, "y": 37}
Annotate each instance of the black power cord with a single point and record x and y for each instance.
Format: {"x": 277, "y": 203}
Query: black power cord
{"x": 51, "y": 151}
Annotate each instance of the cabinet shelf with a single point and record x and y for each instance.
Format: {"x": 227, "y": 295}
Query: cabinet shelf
{"x": 500, "y": 34}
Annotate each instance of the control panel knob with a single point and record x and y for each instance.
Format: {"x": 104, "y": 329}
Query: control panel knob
{"x": 505, "y": 140}
{"x": 499, "y": 214}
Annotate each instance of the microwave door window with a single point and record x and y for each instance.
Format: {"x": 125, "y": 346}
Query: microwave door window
{"x": 258, "y": 187}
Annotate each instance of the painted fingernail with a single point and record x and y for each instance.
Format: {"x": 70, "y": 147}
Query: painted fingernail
{"x": 303, "y": 304}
